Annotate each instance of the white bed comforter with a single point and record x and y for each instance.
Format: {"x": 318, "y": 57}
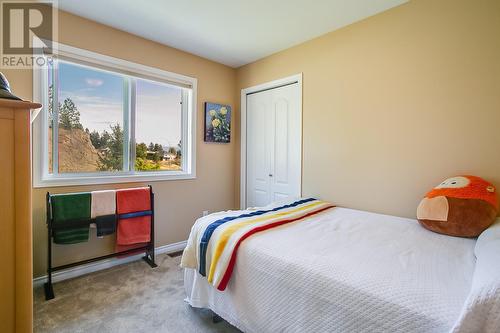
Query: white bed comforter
{"x": 352, "y": 271}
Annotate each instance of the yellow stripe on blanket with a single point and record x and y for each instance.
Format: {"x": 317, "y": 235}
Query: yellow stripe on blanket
{"x": 231, "y": 229}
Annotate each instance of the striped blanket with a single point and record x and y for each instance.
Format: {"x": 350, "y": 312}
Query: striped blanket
{"x": 214, "y": 240}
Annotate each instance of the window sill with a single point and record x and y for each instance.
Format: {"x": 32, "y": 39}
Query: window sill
{"x": 77, "y": 180}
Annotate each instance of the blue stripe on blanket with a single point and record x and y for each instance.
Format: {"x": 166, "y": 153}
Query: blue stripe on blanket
{"x": 214, "y": 225}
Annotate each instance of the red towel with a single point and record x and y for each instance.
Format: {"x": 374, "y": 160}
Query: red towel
{"x": 137, "y": 229}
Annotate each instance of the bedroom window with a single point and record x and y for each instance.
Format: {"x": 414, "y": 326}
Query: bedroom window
{"x": 106, "y": 120}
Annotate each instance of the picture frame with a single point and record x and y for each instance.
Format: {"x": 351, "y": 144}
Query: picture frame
{"x": 217, "y": 123}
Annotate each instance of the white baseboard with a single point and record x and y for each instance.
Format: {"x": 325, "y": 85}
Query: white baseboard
{"x": 104, "y": 264}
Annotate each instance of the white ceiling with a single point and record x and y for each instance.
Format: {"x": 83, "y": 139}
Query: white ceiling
{"x": 232, "y": 32}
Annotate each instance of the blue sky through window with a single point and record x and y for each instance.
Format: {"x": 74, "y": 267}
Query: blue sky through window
{"x": 159, "y": 113}
{"x": 98, "y": 96}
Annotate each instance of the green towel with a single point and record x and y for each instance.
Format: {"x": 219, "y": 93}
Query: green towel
{"x": 70, "y": 207}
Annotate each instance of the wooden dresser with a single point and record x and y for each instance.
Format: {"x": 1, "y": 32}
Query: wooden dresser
{"x": 16, "y": 286}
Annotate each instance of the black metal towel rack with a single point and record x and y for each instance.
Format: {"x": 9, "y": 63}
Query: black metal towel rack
{"x": 149, "y": 248}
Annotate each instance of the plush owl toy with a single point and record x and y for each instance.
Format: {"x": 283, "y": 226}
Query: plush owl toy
{"x": 461, "y": 206}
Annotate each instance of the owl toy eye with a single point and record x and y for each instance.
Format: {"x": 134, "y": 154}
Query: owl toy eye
{"x": 455, "y": 182}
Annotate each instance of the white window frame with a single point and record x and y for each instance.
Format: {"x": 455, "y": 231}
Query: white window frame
{"x": 41, "y": 175}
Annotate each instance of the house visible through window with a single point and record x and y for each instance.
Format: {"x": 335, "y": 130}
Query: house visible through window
{"x": 100, "y": 122}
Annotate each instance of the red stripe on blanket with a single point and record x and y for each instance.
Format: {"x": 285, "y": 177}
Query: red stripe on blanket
{"x": 227, "y": 275}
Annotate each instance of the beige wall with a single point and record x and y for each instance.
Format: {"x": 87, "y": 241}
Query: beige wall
{"x": 178, "y": 203}
{"x": 392, "y": 105}
{"x": 396, "y": 103}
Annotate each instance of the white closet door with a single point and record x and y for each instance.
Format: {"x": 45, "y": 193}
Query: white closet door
{"x": 273, "y": 145}
{"x": 258, "y": 151}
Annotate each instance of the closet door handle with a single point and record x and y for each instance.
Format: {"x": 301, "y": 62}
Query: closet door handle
{"x": 270, "y": 175}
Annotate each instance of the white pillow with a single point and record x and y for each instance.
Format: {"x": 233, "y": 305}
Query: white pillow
{"x": 488, "y": 237}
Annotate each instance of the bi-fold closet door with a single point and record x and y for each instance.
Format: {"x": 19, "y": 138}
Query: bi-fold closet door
{"x": 273, "y": 160}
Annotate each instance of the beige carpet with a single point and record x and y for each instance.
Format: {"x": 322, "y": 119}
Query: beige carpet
{"x": 126, "y": 298}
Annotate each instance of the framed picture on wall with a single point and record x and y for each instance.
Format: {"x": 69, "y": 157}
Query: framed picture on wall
{"x": 217, "y": 123}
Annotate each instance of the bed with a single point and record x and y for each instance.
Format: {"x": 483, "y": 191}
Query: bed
{"x": 346, "y": 270}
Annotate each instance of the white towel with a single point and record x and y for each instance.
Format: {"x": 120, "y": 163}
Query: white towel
{"x": 103, "y": 203}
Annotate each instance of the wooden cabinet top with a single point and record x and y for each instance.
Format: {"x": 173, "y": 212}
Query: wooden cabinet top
{"x": 14, "y": 104}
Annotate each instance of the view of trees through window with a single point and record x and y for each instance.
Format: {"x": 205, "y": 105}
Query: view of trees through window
{"x": 90, "y": 122}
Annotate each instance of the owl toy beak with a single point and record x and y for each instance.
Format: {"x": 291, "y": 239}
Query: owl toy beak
{"x": 433, "y": 209}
